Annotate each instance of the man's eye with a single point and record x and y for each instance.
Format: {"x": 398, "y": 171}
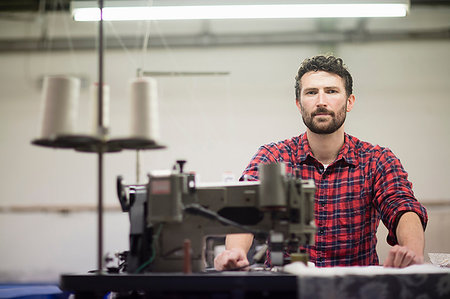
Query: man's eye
{"x": 310, "y": 92}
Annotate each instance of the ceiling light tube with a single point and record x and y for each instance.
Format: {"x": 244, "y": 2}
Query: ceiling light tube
{"x": 244, "y": 11}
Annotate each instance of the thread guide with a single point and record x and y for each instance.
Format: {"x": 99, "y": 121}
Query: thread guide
{"x": 93, "y": 144}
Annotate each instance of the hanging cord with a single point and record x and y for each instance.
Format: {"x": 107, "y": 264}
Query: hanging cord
{"x": 42, "y": 23}
{"x": 47, "y": 39}
{"x": 146, "y": 38}
{"x": 70, "y": 43}
{"x": 122, "y": 44}
{"x": 189, "y": 91}
{"x": 194, "y": 83}
{"x": 152, "y": 257}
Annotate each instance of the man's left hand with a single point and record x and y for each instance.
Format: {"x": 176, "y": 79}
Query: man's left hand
{"x": 402, "y": 256}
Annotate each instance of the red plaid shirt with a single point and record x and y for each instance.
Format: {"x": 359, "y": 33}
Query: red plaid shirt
{"x": 364, "y": 184}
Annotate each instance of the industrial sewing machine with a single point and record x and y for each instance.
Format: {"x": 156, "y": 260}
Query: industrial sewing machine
{"x": 170, "y": 217}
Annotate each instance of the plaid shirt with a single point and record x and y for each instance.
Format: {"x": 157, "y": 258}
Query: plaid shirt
{"x": 364, "y": 184}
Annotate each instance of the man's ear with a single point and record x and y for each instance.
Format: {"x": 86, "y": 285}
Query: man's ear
{"x": 299, "y": 106}
{"x": 350, "y": 101}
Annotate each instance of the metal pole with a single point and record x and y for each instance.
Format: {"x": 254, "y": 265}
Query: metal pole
{"x": 101, "y": 132}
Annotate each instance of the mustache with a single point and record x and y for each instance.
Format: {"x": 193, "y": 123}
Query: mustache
{"x": 322, "y": 110}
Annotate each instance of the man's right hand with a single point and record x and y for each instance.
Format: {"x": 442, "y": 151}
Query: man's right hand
{"x": 230, "y": 259}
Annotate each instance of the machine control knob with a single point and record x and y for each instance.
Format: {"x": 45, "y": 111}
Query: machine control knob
{"x": 181, "y": 164}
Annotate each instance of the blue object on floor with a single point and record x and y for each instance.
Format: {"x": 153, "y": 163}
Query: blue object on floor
{"x": 32, "y": 291}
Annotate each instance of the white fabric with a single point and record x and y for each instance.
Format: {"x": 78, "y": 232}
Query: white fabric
{"x": 300, "y": 269}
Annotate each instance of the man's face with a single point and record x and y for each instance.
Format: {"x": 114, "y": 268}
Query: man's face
{"x": 323, "y": 102}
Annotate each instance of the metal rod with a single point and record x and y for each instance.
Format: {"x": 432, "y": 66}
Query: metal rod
{"x": 100, "y": 150}
{"x": 138, "y": 166}
{"x": 100, "y": 211}
{"x": 183, "y": 74}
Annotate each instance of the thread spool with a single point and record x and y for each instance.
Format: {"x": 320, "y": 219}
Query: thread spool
{"x": 272, "y": 186}
{"x": 144, "y": 109}
{"x": 60, "y": 96}
{"x": 187, "y": 262}
{"x": 94, "y": 108}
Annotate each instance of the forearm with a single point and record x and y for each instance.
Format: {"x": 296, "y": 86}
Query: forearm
{"x": 410, "y": 233}
{"x": 242, "y": 241}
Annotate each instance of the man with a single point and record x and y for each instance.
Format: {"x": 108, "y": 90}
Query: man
{"x": 357, "y": 183}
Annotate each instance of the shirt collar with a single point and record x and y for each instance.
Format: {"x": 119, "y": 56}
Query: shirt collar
{"x": 347, "y": 152}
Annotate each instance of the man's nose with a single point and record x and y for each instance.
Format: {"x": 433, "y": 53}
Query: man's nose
{"x": 321, "y": 99}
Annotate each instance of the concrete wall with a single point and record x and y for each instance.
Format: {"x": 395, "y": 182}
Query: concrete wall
{"x": 215, "y": 123}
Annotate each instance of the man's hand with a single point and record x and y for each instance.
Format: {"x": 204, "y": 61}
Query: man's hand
{"x": 234, "y": 258}
{"x": 235, "y": 255}
{"x": 402, "y": 256}
{"x": 411, "y": 242}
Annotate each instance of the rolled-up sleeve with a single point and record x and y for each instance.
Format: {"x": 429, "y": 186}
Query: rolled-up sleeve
{"x": 264, "y": 155}
{"x": 393, "y": 193}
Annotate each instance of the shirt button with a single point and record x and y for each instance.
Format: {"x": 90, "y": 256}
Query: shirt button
{"x": 323, "y": 204}
{"x": 321, "y": 231}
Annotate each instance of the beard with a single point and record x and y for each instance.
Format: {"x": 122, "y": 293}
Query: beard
{"x": 322, "y": 125}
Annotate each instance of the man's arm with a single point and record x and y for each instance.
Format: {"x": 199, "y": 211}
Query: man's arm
{"x": 235, "y": 254}
{"x": 411, "y": 242}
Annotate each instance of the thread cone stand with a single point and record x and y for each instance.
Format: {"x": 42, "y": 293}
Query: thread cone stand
{"x": 92, "y": 144}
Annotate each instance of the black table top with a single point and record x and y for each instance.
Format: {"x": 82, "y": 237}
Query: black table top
{"x": 219, "y": 281}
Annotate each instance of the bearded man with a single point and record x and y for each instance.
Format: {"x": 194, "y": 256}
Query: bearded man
{"x": 357, "y": 183}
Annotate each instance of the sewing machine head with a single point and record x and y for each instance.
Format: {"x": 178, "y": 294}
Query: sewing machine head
{"x": 171, "y": 211}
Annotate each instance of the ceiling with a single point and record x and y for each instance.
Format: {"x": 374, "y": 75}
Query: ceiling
{"x": 37, "y": 25}
{"x": 51, "y": 5}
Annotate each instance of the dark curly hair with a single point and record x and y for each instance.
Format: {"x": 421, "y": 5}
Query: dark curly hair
{"x": 327, "y": 63}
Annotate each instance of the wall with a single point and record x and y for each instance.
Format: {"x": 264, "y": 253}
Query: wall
{"x": 215, "y": 123}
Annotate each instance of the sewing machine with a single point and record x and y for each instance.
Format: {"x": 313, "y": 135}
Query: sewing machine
{"x": 171, "y": 216}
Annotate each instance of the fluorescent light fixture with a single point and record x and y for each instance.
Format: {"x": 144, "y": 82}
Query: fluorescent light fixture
{"x": 201, "y": 10}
